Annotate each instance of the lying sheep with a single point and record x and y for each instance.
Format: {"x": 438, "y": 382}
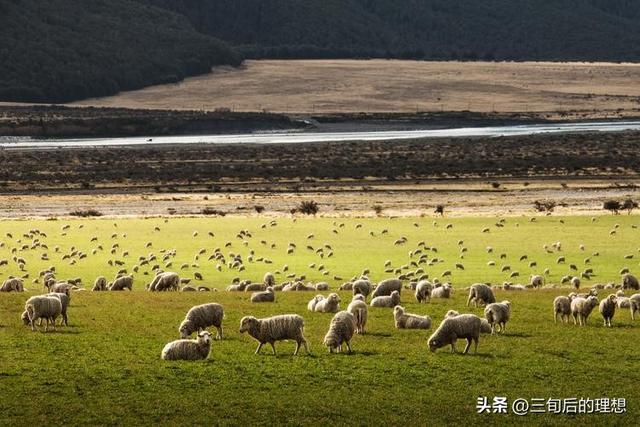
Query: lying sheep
{"x": 322, "y": 286}
{"x": 480, "y": 294}
{"x": 386, "y": 287}
{"x": 341, "y": 330}
{"x": 184, "y": 349}
{"x": 386, "y": 301}
{"x": 255, "y": 287}
{"x": 451, "y": 329}
{"x": 64, "y": 302}
{"x": 100, "y": 284}
{"x": 12, "y": 285}
{"x": 266, "y": 296}
{"x": 43, "y": 307}
{"x": 311, "y": 305}
{"x": 608, "y": 309}
{"x": 498, "y": 314}
{"x": 629, "y": 281}
{"x": 329, "y": 304}
{"x": 276, "y": 328}
{"x": 122, "y": 283}
{"x": 269, "y": 279}
{"x": 163, "y": 282}
{"x": 423, "y": 291}
{"x": 581, "y": 309}
{"x": 362, "y": 287}
{"x": 200, "y": 317}
{"x": 188, "y": 288}
{"x": 358, "y": 307}
{"x": 443, "y": 291}
{"x": 562, "y": 307}
{"x": 410, "y": 321}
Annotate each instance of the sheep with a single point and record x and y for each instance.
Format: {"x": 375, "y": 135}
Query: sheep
{"x": 358, "y": 307}
{"x": 184, "y": 349}
{"x": 581, "y": 309}
{"x": 61, "y": 288}
{"x": 362, "y": 287}
{"x": 386, "y": 301}
{"x": 167, "y": 281}
{"x": 311, "y": 305}
{"x": 341, "y": 330}
{"x": 562, "y": 307}
{"x": 43, "y": 307}
{"x": 536, "y": 281}
{"x": 481, "y": 294}
{"x": 386, "y": 287}
{"x": 608, "y": 309}
{"x": 269, "y": 279}
{"x": 276, "y": 328}
{"x": 122, "y": 283}
{"x": 188, "y": 288}
{"x": 255, "y": 287}
{"x": 575, "y": 282}
{"x": 485, "y": 327}
{"x": 634, "y": 305}
{"x": 629, "y": 281}
{"x": 266, "y": 296}
{"x": 423, "y": 291}
{"x": 100, "y": 284}
{"x": 443, "y": 291}
{"x": 64, "y": 301}
{"x": 498, "y": 314}
{"x": 410, "y": 321}
{"x": 200, "y": 317}
{"x": 452, "y": 328}
{"x": 348, "y": 286}
{"x": 12, "y": 285}
{"x": 329, "y": 304}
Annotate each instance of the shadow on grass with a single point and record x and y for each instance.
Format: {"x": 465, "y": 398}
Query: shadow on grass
{"x": 377, "y": 334}
{"x": 515, "y": 334}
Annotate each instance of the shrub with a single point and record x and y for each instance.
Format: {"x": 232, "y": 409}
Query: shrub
{"x": 86, "y": 213}
{"x": 613, "y": 206}
{"x": 308, "y": 207}
{"x": 259, "y": 208}
{"x": 377, "y": 209}
{"x": 544, "y": 205}
{"x": 629, "y": 205}
{"x": 439, "y": 210}
{"x": 212, "y": 211}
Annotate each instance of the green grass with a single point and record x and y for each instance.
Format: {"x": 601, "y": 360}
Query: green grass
{"x": 105, "y": 368}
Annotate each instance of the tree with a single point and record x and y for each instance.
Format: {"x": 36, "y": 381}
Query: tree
{"x": 629, "y": 205}
{"x": 612, "y": 205}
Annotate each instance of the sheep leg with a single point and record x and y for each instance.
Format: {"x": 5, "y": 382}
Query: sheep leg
{"x": 555, "y": 317}
{"x": 475, "y": 350}
{"x": 306, "y": 346}
{"x": 66, "y": 320}
{"x": 469, "y": 300}
{"x": 219, "y": 334}
{"x": 575, "y": 318}
{"x": 348, "y": 346}
{"x": 258, "y": 349}
{"x": 295, "y": 352}
{"x": 273, "y": 347}
{"x": 466, "y": 348}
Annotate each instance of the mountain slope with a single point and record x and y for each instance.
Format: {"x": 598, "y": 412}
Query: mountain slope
{"x": 63, "y": 50}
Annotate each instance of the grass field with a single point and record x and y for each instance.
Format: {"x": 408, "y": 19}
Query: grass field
{"x": 105, "y": 368}
{"x": 328, "y": 86}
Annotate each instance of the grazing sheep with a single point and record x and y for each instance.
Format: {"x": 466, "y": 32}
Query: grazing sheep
{"x": 329, "y": 304}
{"x": 358, "y": 307}
{"x": 386, "y": 300}
{"x": 12, "y": 285}
{"x": 629, "y": 281}
{"x": 423, "y": 291}
{"x": 498, "y": 314}
{"x": 443, "y": 291}
{"x": 480, "y": 294}
{"x": 43, "y": 307}
{"x": 311, "y": 305}
{"x": 341, "y": 330}
{"x": 386, "y": 287}
{"x": 362, "y": 287}
{"x": 122, "y": 283}
{"x": 100, "y": 284}
{"x": 575, "y": 282}
{"x": 200, "y": 317}
{"x": 608, "y": 309}
{"x": 167, "y": 281}
{"x": 536, "y": 281}
{"x": 61, "y": 288}
{"x": 64, "y": 301}
{"x": 562, "y": 307}
{"x": 269, "y": 279}
{"x": 410, "y": 321}
{"x": 634, "y": 305}
{"x": 184, "y": 349}
{"x": 581, "y": 309}
{"x": 276, "y": 328}
{"x": 451, "y": 329}
{"x": 485, "y": 327}
{"x": 266, "y": 296}
{"x": 322, "y": 286}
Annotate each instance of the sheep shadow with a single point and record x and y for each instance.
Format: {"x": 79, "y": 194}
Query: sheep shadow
{"x": 377, "y": 334}
{"x": 515, "y": 335}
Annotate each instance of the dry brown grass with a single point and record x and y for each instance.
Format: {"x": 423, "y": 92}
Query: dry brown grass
{"x": 325, "y": 86}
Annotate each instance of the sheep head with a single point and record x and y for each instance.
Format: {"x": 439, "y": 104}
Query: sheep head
{"x": 247, "y": 323}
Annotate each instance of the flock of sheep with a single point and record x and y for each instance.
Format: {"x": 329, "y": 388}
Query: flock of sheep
{"x": 344, "y": 324}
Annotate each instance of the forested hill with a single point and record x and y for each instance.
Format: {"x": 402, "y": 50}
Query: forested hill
{"x": 63, "y": 50}
{"x": 424, "y": 29}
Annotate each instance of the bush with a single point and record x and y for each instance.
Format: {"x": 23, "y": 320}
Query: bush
{"x": 259, "y": 208}
{"x": 86, "y": 213}
{"x": 544, "y": 205}
{"x": 629, "y": 205}
{"x": 613, "y": 206}
{"x": 377, "y": 209}
{"x": 212, "y": 211}
{"x": 308, "y": 207}
{"x": 439, "y": 210}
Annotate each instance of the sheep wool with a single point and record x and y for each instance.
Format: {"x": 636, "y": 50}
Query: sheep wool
{"x": 386, "y": 301}
{"x": 442, "y": 291}
{"x": 100, "y": 284}
{"x": 423, "y": 291}
{"x": 498, "y": 314}
{"x": 276, "y": 328}
{"x": 197, "y": 349}
{"x": 480, "y": 294}
{"x": 608, "y": 309}
{"x": 562, "y": 308}
{"x": 358, "y": 307}
{"x": 200, "y": 317}
{"x": 329, "y": 304}
{"x": 341, "y": 330}
{"x": 362, "y": 287}
{"x": 581, "y": 309}
{"x": 405, "y": 320}
{"x": 43, "y": 307}
{"x": 463, "y": 326}
{"x": 386, "y": 287}
{"x": 266, "y": 296}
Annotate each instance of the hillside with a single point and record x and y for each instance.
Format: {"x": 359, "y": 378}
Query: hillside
{"x": 591, "y": 30}
{"x": 63, "y": 50}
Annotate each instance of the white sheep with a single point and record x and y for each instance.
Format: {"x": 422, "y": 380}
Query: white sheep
{"x": 386, "y": 287}
{"x": 65, "y": 299}
{"x": 200, "y": 317}
{"x": 423, "y": 291}
{"x": 100, "y": 284}
{"x": 608, "y": 309}
{"x": 485, "y": 327}
{"x": 480, "y": 294}
{"x": 329, "y": 304}
{"x": 166, "y": 281}
{"x": 386, "y": 300}
{"x": 362, "y": 287}
{"x": 629, "y": 281}
{"x": 276, "y": 328}
{"x": 44, "y": 307}
{"x": 266, "y": 296}
{"x": 442, "y": 291}
{"x": 197, "y": 349}
{"x": 581, "y": 309}
{"x": 536, "y": 281}
{"x": 269, "y": 279}
{"x": 358, "y": 307}
{"x": 634, "y": 305}
{"x": 451, "y": 329}
{"x": 498, "y": 314}
{"x": 562, "y": 307}
{"x": 12, "y": 285}
{"x": 341, "y": 330}
{"x": 311, "y": 305}
{"x": 405, "y": 320}
{"x": 122, "y": 283}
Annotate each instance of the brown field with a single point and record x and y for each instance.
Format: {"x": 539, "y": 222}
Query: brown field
{"x": 573, "y": 90}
